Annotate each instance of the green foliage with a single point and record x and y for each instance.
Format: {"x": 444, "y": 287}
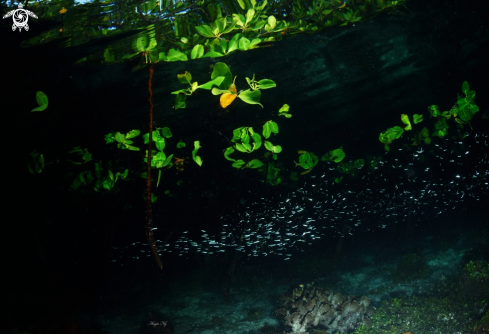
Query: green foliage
{"x": 466, "y": 105}
{"x": 247, "y": 141}
{"x": 334, "y": 155}
{"x": 197, "y": 159}
{"x": 462, "y": 112}
{"x": 307, "y": 160}
{"x": 422, "y": 136}
{"x": 390, "y": 135}
{"x": 208, "y": 30}
{"x": 123, "y": 141}
{"x": 269, "y": 128}
{"x": 477, "y": 269}
{"x": 417, "y": 118}
{"x": 221, "y": 83}
{"x": 36, "y": 163}
{"x": 98, "y": 179}
{"x": 242, "y": 137}
{"x": 284, "y": 111}
{"x": 42, "y": 101}
{"x": 85, "y": 155}
{"x": 441, "y": 127}
{"x": 273, "y": 175}
{"x": 405, "y": 120}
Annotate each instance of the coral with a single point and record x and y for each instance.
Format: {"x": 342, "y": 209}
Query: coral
{"x": 323, "y": 309}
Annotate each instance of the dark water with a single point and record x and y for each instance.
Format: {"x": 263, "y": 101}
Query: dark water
{"x": 403, "y": 226}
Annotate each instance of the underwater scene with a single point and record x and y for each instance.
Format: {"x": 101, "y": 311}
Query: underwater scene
{"x": 245, "y": 167}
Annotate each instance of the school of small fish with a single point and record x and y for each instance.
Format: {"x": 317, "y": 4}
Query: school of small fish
{"x": 423, "y": 183}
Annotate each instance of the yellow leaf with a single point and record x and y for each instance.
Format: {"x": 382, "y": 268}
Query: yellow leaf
{"x": 228, "y": 98}
{"x": 62, "y": 11}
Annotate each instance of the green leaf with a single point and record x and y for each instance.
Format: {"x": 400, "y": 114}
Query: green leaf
{"x": 242, "y": 148}
{"x": 433, "y": 109}
{"x": 230, "y": 150}
{"x": 167, "y": 161}
{"x": 184, "y": 78}
{"x": 266, "y": 84}
{"x": 417, "y": 118}
{"x": 160, "y": 144}
{"x": 405, "y": 120}
{"x": 284, "y": 111}
{"x": 391, "y": 134}
{"x": 249, "y": 15}
{"x": 238, "y": 163}
{"x": 120, "y": 137}
{"x": 272, "y": 22}
{"x": 219, "y": 26}
{"x": 251, "y": 97}
{"x": 255, "y": 163}
{"x": 222, "y": 70}
{"x": 269, "y": 128}
{"x": 42, "y": 101}
{"x": 197, "y": 52}
{"x": 216, "y": 82}
{"x": 244, "y": 44}
{"x": 132, "y": 134}
{"x": 196, "y": 158}
{"x": 229, "y": 28}
{"x": 213, "y": 54}
{"x": 274, "y": 149}
{"x": 205, "y": 31}
{"x": 465, "y": 87}
{"x": 234, "y": 43}
{"x": 337, "y": 155}
{"x": 166, "y": 132}
{"x": 308, "y": 160}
